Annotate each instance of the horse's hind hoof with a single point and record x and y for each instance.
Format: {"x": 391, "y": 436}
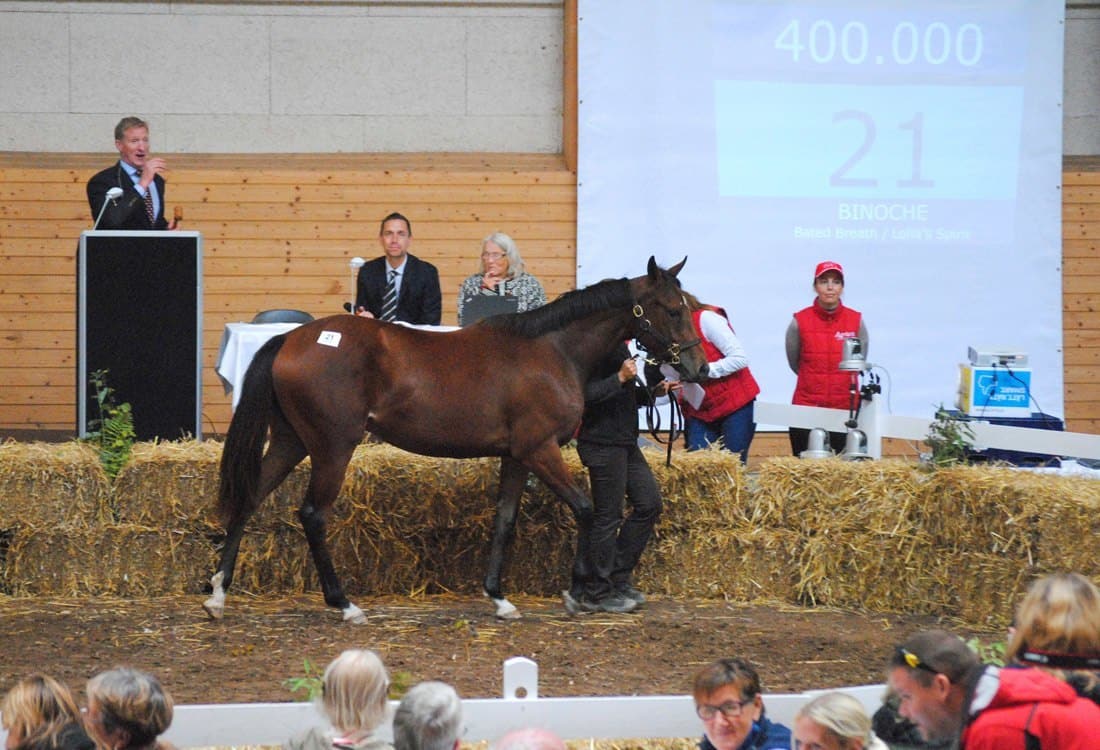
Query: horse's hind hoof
{"x": 354, "y": 615}
{"x": 214, "y": 608}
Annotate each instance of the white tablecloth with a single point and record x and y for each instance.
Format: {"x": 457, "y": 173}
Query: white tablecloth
{"x": 240, "y": 342}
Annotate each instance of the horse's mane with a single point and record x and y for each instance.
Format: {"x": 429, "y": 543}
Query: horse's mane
{"x": 571, "y": 306}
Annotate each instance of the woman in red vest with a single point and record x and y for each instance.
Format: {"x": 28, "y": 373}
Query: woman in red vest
{"x": 726, "y": 412}
{"x": 815, "y": 340}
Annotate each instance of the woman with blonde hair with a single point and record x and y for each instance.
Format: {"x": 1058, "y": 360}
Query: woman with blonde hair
{"x": 353, "y": 699}
{"x": 39, "y": 713}
{"x": 1058, "y": 629}
{"x": 834, "y": 721}
{"x": 127, "y": 710}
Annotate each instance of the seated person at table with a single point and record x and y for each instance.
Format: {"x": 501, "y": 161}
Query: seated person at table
{"x": 398, "y": 286}
{"x": 502, "y": 274}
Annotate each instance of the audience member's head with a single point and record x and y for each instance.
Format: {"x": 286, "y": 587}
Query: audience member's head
{"x": 835, "y": 721}
{"x": 429, "y": 717}
{"x": 37, "y": 711}
{"x": 127, "y": 709}
{"x": 728, "y": 700}
{"x": 1058, "y": 629}
{"x": 929, "y": 673}
{"x": 529, "y": 738}
{"x": 353, "y": 696}
{"x": 500, "y": 256}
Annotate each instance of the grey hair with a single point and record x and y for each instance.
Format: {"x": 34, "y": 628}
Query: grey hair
{"x": 429, "y": 717}
{"x": 516, "y": 266}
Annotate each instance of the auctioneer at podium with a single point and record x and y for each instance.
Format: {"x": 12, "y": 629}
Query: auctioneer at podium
{"x": 139, "y": 317}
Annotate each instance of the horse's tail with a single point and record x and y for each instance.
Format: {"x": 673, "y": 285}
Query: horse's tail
{"x": 244, "y": 443}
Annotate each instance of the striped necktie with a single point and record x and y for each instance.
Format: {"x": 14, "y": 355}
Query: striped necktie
{"x": 149, "y": 210}
{"x": 389, "y": 299}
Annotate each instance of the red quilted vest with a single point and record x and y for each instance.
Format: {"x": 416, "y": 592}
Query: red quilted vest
{"x": 822, "y": 332}
{"x": 724, "y": 395}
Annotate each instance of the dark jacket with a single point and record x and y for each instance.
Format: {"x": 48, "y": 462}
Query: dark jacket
{"x": 610, "y": 407}
{"x": 419, "y": 301}
{"x": 765, "y": 735}
{"x": 128, "y": 212}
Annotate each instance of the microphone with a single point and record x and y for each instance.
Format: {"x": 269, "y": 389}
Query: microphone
{"x": 112, "y": 195}
{"x": 355, "y": 263}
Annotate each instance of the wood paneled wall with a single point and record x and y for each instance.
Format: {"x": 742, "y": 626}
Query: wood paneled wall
{"x": 279, "y": 230}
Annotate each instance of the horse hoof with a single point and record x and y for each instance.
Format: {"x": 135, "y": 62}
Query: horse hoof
{"x": 214, "y": 608}
{"x": 354, "y": 615}
{"x": 506, "y": 610}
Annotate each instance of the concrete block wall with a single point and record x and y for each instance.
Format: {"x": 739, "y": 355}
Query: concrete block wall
{"x": 328, "y": 77}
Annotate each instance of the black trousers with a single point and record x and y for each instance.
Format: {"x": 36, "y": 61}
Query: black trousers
{"x": 618, "y": 474}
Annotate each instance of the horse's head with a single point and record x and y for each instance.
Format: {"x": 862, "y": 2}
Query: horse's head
{"x": 663, "y": 322}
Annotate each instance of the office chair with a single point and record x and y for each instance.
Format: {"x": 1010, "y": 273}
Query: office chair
{"x": 282, "y": 316}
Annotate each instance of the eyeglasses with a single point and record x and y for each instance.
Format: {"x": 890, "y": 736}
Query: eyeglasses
{"x": 914, "y": 661}
{"x": 492, "y": 256}
{"x": 729, "y": 709}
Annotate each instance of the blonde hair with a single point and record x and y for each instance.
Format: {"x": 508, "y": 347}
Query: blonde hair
{"x": 1058, "y": 617}
{"x": 36, "y": 709}
{"x": 843, "y": 717}
{"x": 131, "y": 701}
{"x": 354, "y": 689}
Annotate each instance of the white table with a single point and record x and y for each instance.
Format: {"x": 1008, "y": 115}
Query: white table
{"x": 240, "y": 342}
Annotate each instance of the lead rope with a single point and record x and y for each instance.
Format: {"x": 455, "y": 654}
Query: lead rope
{"x": 653, "y": 420}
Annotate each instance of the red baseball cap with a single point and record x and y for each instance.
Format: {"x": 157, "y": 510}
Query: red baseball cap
{"x": 826, "y": 266}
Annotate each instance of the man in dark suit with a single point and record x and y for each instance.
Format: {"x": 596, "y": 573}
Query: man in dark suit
{"x": 416, "y": 282}
{"x": 139, "y": 175}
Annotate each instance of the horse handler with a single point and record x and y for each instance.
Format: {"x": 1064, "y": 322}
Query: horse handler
{"x": 608, "y": 446}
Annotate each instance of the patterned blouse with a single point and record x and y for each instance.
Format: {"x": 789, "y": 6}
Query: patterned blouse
{"x": 525, "y": 287}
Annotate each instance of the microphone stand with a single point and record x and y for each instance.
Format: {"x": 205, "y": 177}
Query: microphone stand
{"x": 112, "y": 195}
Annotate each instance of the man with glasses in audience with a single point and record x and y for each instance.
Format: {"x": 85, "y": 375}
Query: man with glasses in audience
{"x": 728, "y": 700}
{"x": 950, "y": 695}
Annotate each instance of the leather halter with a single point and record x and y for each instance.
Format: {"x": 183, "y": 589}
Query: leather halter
{"x": 671, "y": 355}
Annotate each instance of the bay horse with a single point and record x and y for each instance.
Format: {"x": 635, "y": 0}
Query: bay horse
{"x": 511, "y": 386}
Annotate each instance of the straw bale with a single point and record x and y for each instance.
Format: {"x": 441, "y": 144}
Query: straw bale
{"x": 702, "y": 488}
{"x": 1068, "y": 527}
{"x": 835, "y": 494}
{"x": 739, "y": 563}
{"x": 46, "y": 485}
{"x": 122, "y": 560}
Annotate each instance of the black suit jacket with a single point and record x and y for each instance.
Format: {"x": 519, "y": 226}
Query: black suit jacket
{"x": 128, "y": 212}
{"x": 419, "y": 301}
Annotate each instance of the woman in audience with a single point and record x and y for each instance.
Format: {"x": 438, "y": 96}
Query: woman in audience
{"x": 353, "y": 699}
{"x": 127, "y": 710}
{"x": 1058, "y": 630}
{"x": 728, "y": 700}
{"x": 834, "y": 721}
{"x": 502, "y": 273}
{"x": 39, "y": 713}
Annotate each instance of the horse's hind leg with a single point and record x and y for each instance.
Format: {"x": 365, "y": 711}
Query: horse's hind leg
{"x": 324, "y": 485}
{"x": 285, "y": 451}
{"x": 513, "y": 477}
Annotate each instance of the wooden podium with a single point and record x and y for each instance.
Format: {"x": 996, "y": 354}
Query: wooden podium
{"x": 139, "y": 316}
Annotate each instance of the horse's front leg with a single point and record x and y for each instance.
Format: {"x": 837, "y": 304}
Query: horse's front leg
{"x": 513, "y": 478}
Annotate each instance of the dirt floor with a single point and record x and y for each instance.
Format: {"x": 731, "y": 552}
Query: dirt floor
{"x": 261, "y": 644}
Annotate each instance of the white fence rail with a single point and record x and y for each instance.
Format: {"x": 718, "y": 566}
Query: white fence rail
{"x": 877, "y": 424}
{"x": 659, "y": 716}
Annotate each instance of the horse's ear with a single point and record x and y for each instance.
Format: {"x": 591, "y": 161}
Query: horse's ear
{"x": 675, "y": 270}
{"x": 653, "y": 269}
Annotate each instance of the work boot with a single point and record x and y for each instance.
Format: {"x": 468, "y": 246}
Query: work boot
{"x": 616, "y": 603}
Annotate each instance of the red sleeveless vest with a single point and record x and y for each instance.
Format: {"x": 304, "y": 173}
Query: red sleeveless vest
{"x": 822, "y": 332}
{"x": 724, "y": 395}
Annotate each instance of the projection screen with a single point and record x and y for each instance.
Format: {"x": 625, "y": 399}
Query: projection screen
{"x": 916, "y": 143}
